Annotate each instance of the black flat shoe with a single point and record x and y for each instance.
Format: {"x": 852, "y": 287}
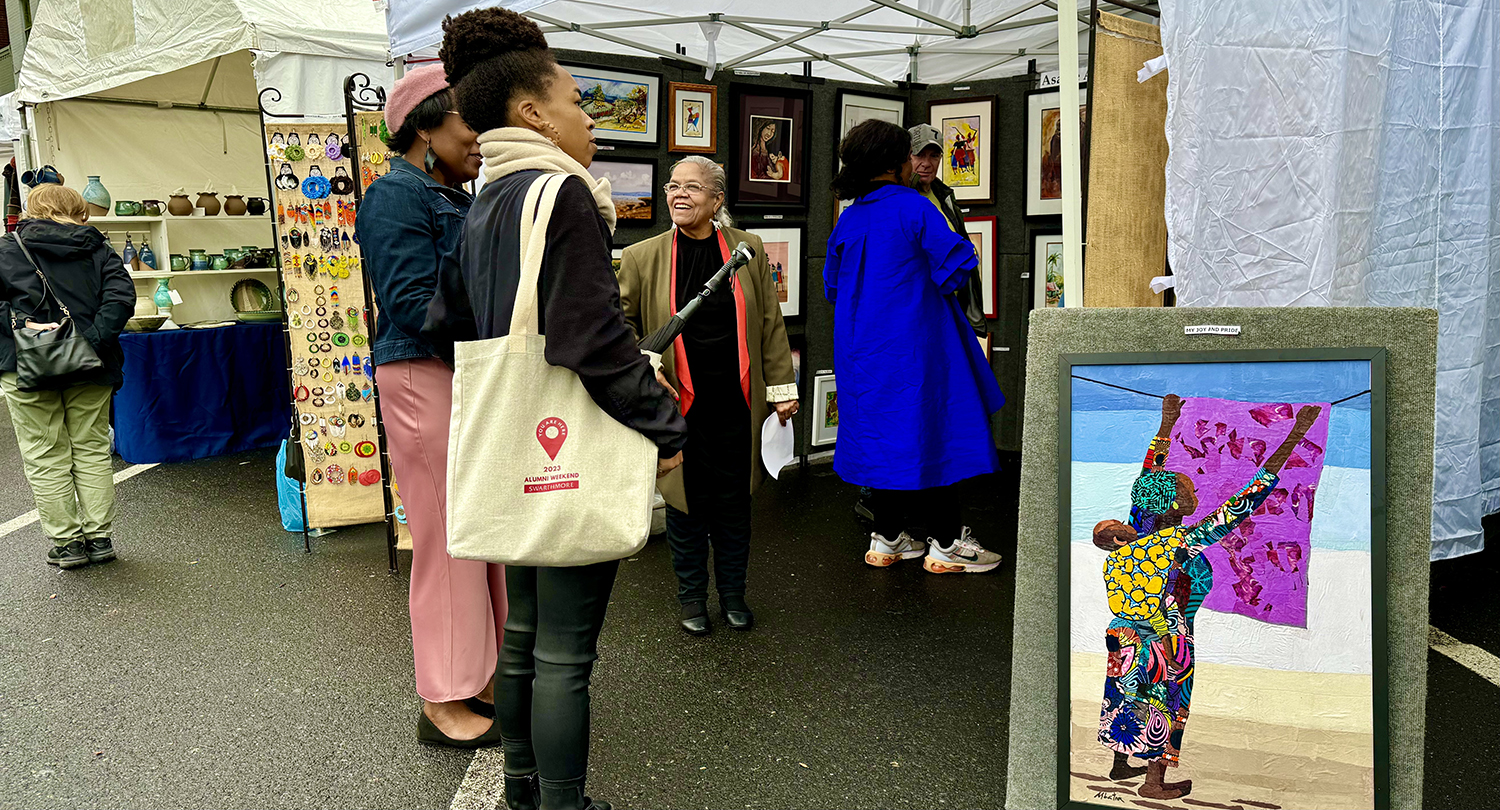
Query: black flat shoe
{"x": 521, "y": 792}
{"x": 429, "y": 733}
{"x": 737, "y": 614}
{"x": 694, "y": 619}
{"x": 480, "y": 708}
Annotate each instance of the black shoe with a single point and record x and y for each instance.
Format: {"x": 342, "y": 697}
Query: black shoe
{"x": 568, "y": 798}
{"x": 695, "y": 619}
{"x": 737, "y": 614}
{"x": 521, "y": 792}
{"x": 100, "y": 549}
{"x": 428, "y": 732}
{"x": 72, "y": 555}
{"x": 480, "y": 708}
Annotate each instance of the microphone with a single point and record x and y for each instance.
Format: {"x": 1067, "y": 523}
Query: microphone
{"x": 659, "y": 340}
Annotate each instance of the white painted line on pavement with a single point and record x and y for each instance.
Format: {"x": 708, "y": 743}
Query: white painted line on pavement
{"x": 1481, "y": 661}
{"x": 16, "y": 524}
{"x": 483, "y": 787}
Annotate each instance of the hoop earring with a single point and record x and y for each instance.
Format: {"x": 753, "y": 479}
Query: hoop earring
{"x": 555, "y": 137}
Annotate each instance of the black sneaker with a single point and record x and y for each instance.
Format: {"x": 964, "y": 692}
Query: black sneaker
{"x": 100, "y": 549}
{"x": 70, "y": 556}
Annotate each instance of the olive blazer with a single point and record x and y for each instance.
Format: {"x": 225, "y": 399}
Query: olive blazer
{"x": 646, "y": 295}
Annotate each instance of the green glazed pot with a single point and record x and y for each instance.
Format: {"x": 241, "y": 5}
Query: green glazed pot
{"x": 220, "y": 262}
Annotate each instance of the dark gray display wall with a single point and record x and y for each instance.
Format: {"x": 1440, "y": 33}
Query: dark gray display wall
{"x": 812, "y": 332}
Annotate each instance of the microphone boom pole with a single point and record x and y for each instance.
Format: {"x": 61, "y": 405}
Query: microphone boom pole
{"x": 659, "y": 340}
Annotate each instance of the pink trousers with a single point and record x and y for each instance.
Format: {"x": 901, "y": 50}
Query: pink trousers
{"x": 457, "y": 606}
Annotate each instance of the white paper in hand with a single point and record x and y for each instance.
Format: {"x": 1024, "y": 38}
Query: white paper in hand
{"x": 776, "y": 444}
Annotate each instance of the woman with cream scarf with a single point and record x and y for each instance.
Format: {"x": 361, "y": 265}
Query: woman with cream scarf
{"x": 510, "y": 88}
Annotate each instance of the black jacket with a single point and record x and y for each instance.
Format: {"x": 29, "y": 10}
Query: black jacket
{"x": 84, "y": 273}
{"x": 580, "y": 303}
{"x": 970, "y": 295}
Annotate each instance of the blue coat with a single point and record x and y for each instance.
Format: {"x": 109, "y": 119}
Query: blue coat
{"x": 915, "y": 390}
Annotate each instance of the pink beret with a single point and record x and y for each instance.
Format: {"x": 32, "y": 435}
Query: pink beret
{"x": 410, "y": 90}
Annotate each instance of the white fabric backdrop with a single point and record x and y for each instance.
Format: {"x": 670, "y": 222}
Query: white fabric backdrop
{"x": 1335, "y": 153}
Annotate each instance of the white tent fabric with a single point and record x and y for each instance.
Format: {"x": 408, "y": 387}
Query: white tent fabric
{"x": 867, "y": 40}
{"x": 1326, "y": 153}
{"x": 93, "y": 47}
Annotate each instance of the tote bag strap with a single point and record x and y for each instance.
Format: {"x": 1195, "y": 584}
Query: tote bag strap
{"x": 540, "y": 198}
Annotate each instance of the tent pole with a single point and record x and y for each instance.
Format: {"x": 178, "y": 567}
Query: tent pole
{"x": 209, "y": 85}
{"x": 798, "y": 37}
{"x": 1088, "y": 129}
{"x": 1067, "y": 50}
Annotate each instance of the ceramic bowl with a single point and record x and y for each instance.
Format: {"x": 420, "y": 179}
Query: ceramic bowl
{"x": 145, "y": 323}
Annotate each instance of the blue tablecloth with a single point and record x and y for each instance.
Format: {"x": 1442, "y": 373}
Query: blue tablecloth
{"x": 197, "y": 393}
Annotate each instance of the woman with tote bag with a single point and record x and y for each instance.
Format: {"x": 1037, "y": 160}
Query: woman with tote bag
{"x": 542, "y": 218}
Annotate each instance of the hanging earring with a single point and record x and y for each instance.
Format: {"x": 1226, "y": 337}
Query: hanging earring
{"x": 555, "y": 137}
{"x": 429, "y": 159}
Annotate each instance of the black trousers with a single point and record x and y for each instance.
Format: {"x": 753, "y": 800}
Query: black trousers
{"x": 551, "y": 643}
{"x": 721, "y": 522}
{"x": 924, "y": 513}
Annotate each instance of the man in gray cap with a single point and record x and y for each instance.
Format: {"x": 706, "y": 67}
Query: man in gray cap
{"x": 926, "y": 157}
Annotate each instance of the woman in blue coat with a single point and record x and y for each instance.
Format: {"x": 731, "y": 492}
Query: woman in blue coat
{"x": 915, "y": 389}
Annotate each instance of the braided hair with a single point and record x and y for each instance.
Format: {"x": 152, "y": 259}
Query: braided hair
{"x": 492, "y": 56}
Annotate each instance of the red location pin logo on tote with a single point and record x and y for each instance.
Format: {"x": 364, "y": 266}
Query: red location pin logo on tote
{"x": 552, "y": 432}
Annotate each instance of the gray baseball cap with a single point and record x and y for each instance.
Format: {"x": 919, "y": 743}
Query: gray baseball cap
{"x": 923, "y": 136}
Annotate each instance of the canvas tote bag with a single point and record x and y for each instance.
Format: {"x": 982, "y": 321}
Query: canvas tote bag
{"x": 538, "y": 474}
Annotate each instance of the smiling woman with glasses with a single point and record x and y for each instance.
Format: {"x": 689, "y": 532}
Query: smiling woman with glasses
{"x": 731, "y": 366}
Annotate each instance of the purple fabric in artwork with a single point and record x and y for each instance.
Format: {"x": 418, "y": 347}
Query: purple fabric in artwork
{"x": 1260, "y": 569}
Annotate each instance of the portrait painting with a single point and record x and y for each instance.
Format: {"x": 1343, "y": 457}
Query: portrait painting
{"x": 694, "y": 109}
{"x": 622, "y": 105}
{"x": 1220, "y": 593}
{"x": 966, "y": 127}
{"x": 1044, "y": 185}
{"x": 770, "y": 157}
{"x": 632, "y": 184}
{"x": 768, "y": 169}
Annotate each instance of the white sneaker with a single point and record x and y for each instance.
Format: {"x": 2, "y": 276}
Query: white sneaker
{"x": 883, "y": 552}
{"x": 965, "y": 556}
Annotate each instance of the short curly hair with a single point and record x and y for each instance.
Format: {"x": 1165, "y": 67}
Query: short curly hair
{"x": 492, "y": 56}
{"x": 870, "y": 150}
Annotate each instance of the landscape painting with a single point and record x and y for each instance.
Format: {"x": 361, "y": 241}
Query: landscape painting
{"x": 633, "y": 187}
{"x": 622, "y": 105}
{"x": 1218, "y": 599}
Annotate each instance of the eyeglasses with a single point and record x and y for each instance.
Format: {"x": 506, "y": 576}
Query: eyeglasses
{"x": 692, "y": 188}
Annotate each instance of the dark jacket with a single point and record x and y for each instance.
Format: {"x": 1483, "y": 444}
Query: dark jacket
{"x": 409, "y": 225}
{"x": 580, "y": 303}
{"x": 84, "y": 273}
{"x": 970, "y": 295}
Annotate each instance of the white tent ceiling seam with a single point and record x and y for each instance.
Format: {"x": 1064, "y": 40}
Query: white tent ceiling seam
{"x": 881, "y": 41}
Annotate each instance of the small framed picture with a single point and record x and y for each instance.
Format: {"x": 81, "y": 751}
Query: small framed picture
{"x": 784, "y": 254}
{"x": 982, "y": 232}
{"x": 622, "y": 104}
{"x": 693, "y": 117}
{"x": 614, "y": 259}
{"x": 825, "y": 426}
{"x": 770, "y": 165}
{"x": 1044, "y": 152}
{"x": 1047, "y": 271}
{"x": 856, "y": 108}
{"x": 633, "y": 183}
{"x": 967, "y": 127}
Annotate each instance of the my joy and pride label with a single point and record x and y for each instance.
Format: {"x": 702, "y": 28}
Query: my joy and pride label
{"x": 551, "y": 433}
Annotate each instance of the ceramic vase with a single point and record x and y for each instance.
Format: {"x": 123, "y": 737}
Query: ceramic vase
{"x": 147, "y": 256}
{"x": 97, "y": 197}
{"x": 209, "y": 202}
{"x": 256, "y": 205}
{"x": 163, "y": 297}
{"x": 180, "y": 206}
{"x": 144, "y": 307}
{"x": 234, "y": 205}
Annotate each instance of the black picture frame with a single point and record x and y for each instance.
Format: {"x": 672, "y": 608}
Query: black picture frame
{"x": 623, "y": 217}
{"x": 759, "y": 106}
{"x": 1379, "y": 624}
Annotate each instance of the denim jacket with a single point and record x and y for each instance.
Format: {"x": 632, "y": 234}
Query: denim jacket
{"x": 409, "y": 226}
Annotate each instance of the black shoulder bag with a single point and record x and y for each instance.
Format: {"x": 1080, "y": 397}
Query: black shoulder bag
{"x": 50, "y": 358}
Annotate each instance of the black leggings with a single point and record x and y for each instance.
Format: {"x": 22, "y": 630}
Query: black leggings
{"x": 551, "y": 643}
{"x": 923, "y": 513}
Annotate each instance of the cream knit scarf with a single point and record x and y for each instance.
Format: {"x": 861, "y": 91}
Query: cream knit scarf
{"x": 508, "y": 150}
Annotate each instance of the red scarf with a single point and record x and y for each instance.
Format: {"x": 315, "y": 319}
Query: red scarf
{"x": 679, "y": 351}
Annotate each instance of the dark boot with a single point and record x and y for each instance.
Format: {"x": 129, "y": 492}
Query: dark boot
{"x": 694, "y": 619}
{"x": 736, "y": 612}
{"x": 1123, "y": 770}
{"x": 568, "y": 796}
{"x": 521, "y": 792}
{"x": 1156, "y": 788}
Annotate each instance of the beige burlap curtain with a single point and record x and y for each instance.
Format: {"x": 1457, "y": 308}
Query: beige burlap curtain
{"x": 1127, "y": 229}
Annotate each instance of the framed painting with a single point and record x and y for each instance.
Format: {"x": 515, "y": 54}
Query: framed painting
{"x": 1238, "y": 571}
{"x": 856, "y": 108}
{"x": 693, "y": 122}
{"x": 983, "y": 232}
{"x": 967, "y": 127}
{"x": 1047, "y": 271}
{"x": 624, "y": 105}
{"x": 770, "y": 165}
{"x": 825, "y": 426}
{"x": 615, "y": 255}
{"x": 784, "y": 254}
{"x": 1044, "y": 151}
{"x": 633, "y": 184}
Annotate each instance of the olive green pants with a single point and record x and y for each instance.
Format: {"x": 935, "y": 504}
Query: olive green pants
{"x": 64, "y": 439}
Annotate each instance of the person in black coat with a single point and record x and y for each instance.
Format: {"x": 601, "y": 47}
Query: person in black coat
{"x": 63, "y": 430}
